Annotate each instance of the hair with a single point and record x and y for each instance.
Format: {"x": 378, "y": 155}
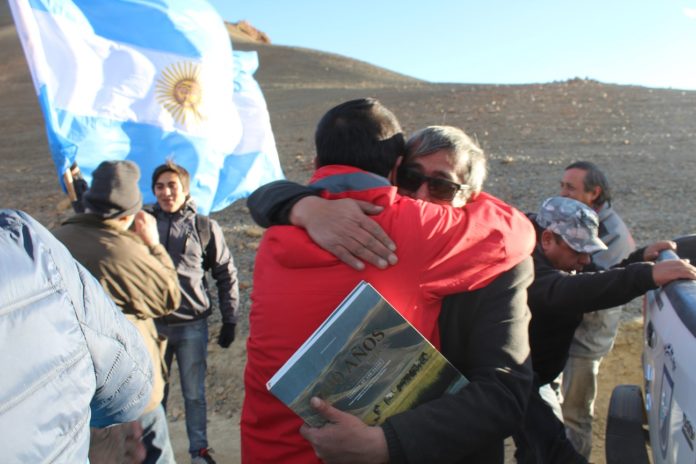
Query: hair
{"x": 360, "y": 133}
{"x": 467, "y": 156}
{"x": 171, "y": 166}
{"x": 594, "y": 177}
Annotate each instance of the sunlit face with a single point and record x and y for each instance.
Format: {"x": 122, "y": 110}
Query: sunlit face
{"x": 573, "y": 186}
{"x": 170, "y": 192}
{"x": 561, "y": 255}
{"x": 439, "y": 165}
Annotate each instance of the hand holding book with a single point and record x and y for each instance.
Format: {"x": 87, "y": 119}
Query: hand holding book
{"x": 335, "y": 442}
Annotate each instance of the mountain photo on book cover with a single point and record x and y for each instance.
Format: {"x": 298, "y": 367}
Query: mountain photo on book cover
{"x": 365, "y": 359}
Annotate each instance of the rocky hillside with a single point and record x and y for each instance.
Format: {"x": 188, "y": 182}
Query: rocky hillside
{"x": 644, "y": 138}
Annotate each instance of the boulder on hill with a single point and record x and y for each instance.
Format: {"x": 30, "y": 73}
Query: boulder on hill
{"x": 245, "y": 32}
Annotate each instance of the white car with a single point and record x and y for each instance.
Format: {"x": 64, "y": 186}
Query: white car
{"x": 663, "y": 414}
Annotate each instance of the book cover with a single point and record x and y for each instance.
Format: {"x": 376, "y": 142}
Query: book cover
{"x": 366, "y": 359}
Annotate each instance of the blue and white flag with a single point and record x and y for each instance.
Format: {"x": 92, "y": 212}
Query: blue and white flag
{"x": 254, "y": 160}
{"x": 144, "y": 80}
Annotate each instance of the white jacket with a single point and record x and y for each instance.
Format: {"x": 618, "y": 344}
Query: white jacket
{"x": 68, "y": 357}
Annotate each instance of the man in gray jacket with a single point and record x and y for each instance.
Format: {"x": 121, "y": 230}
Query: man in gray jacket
{"x": 196, "y": 244}
{"x": 68, "y": 356}
{"x": 594, "y": 337}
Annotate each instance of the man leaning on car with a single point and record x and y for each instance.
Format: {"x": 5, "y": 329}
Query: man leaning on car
{"x": 567, "y": 233}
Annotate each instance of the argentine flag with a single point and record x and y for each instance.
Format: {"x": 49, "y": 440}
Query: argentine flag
{"x": 149, "y": 80}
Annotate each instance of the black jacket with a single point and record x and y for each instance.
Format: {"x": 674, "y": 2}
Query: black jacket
{"x": 484, "y": 334}
{"x": 178, "y": 234}
{"x": 558, "y": 300}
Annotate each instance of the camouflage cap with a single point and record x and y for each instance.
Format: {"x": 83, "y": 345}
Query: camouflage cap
{"x": 574, "y": 221}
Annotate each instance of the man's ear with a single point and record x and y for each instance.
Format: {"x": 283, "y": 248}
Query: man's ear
{"x": 547, "y": 239}
{"x": 392, "y": 173}
{"x": 595, "y": 193}
{"x": 316, "y": 163}
{"x": 125, "y": 222}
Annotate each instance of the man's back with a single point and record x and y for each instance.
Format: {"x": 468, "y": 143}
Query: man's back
{"x": 296, "y": 285}
{"x": 141, "y": 281}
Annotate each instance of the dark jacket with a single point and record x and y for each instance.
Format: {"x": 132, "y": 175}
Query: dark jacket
{"x": 558, "y": 300}
{"x": 178, "y": 234}
{"x": 484, "y": 334}
{"x": 141, "y": 280}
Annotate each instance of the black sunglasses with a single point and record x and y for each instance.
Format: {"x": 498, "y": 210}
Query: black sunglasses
{"x": 411, "y": 179}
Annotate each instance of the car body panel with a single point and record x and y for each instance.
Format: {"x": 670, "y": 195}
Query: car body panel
{"x": 669, "y": 367}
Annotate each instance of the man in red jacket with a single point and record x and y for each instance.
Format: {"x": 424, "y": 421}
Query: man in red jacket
{"x": 443, "y": 250}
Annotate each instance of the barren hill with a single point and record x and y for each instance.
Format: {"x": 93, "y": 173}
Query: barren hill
{"x": 645, "y": 139}
{"x": 293, "y": 68}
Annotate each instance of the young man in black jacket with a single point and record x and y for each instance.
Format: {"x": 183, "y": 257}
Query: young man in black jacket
{"x": 196, "y": 245}
{"x": 567, "y": 234}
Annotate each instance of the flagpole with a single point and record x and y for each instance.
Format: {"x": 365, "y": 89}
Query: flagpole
{"x": 69, "y": 185}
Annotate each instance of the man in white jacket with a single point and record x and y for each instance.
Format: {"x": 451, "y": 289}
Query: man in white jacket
{"x": 69, "y": 358}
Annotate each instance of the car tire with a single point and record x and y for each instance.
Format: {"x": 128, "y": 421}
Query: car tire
{"x": 626, "y": 433}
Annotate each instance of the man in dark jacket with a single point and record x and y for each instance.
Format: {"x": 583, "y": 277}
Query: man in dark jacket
{"x": 196, "y": 244}
{"x": 567, "y": 233}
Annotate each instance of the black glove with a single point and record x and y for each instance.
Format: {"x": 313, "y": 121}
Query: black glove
{"x": 226, "y": 334}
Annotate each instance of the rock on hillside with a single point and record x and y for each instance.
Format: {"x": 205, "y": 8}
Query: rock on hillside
{"x": 243, "y": 31}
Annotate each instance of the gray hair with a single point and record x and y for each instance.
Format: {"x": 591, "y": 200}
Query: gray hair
{"x": 594, "y": 177}
{"x": 467, "y": 156}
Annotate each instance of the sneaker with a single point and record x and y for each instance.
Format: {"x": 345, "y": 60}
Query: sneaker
{"x": 203, "y": 457}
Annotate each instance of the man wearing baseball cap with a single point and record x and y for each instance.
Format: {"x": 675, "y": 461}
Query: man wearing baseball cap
{"x": 567, "y": 234}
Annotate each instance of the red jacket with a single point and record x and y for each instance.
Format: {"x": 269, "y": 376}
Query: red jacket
{"x": 442, "y": 250}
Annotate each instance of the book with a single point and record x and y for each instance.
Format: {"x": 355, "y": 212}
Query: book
{"x": 365, "y": 359}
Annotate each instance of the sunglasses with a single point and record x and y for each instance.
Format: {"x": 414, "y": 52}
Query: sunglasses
{"x": 411, "y": 179}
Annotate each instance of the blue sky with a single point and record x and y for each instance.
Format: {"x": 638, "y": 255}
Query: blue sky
{"x": 643, "y": 42}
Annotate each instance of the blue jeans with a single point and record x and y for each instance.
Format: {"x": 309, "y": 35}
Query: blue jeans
{"x": 156, "y": 437}
{"x": 189, "y": 343}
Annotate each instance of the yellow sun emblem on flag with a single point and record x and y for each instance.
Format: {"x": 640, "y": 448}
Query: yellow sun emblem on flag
{"x": 179, "y": 91}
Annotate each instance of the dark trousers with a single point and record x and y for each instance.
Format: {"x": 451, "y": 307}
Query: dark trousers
{"x": 542, "y": 438}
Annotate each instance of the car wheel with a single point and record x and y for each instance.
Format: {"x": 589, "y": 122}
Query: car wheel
{"x": 626, "y": 435}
